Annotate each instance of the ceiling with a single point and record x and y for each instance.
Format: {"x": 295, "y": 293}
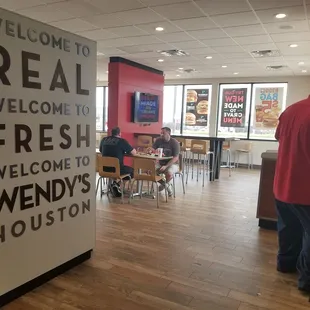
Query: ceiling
{"x": 227, "y": 30}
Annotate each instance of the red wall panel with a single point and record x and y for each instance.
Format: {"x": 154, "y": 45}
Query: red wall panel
{"x": 124, "y": 80}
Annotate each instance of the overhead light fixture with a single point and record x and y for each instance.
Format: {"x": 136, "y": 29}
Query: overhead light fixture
{"x": 280, "y": 15}
{"x": 224, "y": 66}
{"x": 209, "y": 57}
{"x": 178, "y": 74}
{"x": 301, "y": 63}
{"x": 160, "y": 60}
{"x": 293, "y": 45}
{"x": 107, "y": 72}
{"x": 181, "y": 68}
{"x": 100, "y": 54}
{"x": 304, "y": 71}
{"x": 159, "y": 29}
{"x": 236, "y": 73}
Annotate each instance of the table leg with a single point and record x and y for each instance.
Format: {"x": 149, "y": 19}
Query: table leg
{"x": 212, "y": 160}
{"x": 218, "y": 159}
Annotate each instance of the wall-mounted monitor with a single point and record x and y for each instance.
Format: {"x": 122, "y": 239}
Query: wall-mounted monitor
{"x": 145, "y": 108}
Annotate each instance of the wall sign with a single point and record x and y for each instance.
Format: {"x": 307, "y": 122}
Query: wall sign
{"x": 233, "y": 107}
{"x": 47, "y": 148}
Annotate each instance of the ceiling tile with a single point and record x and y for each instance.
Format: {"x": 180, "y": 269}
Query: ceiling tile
{"x": 148, "y": 39}
{"x": 244, "y": 30}
{"x": 112, "y": 6}
{"x": 282, "y": 27}
{"x": 208, "y": 34}
{"x": 205, "y": 51}
{"x": 293, "y": 13}
{"x": 174, "y": 37}
{"x": 179, "y": 11}
{"x": 238, "y": 19}
{"x": 302, "y": 49}
{"x": 188, "y": 45}
{"x": 45, "y": 14}
{"x": 228, "y": 49}
{"x": 128, "y": 31}
{"x": 253, "y": 39}
{"x": 119, "y": 42}
{"x": 109, "y": 52}
{"x": 141, "y": 16}
{"x": 14, "y": 5}
{"x": 76, "y": 8}
{"x": 97, "y": 34}
{"x": 161, "y": 2}
{"x": 195, "y": 23}
{"x": 269, "y": 4}
{"x": 219, "y": 42}
{"x": 107, "y": 21}
{"x": 73, "y": 25}
{"x": 146, "y": 48}
{"x": 150, "y": 28}
{"x": 223, "y": 6}
{"x": 291, "y": 37}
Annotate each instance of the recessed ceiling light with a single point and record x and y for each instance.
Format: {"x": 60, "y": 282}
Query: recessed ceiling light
{"x": 304, "y": 71}
{"x": 107, "y": 72}
{"x": 181, "y": 68}
{"x": 235, "y": 73}
{"x": 280, "y": 15}
{"x": 301, "y": 63}
{"x": 208, "y": 57}
{"x": 99, "y": 54}
{"x": 224, "y": 66}
{"x": 159, "y": 29}
{"x": 178, "y": 74}
{"x": 293, "y": 45}
{"x": 160, "y": 60}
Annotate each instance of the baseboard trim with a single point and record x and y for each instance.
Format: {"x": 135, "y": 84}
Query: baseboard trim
{"x": 267, "y": 224}
{"x": 31, "y": 285}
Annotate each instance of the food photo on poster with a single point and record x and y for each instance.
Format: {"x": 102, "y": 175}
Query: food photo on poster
{"x": 268, "y": 106}
{"x": 233, "y": 112}
{"x": 197, "y": 107}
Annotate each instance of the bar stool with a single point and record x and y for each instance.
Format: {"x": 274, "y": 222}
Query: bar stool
{"x": 183, "y": 151}
{"x": 227, "y": 149}
{"x": 200, "y": 148}
{"x": 180, "y": 173}
{"x": 247, "y": 150}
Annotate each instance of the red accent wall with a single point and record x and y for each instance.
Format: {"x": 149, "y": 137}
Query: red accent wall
{"x": 124, "y": 80}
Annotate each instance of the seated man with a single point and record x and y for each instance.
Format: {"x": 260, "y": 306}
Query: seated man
{"x": 115, "y": 146}
{"x": 171, "y": 147}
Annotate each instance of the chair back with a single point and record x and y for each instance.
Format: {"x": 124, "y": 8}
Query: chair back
{"x": 226, "y": 145}
{"x": 188, "y": 143}
{"x": 199, "y": 147}
{"x": 144, "y": 141}
{"x": 108, "y": 162}
{"x": 182, "y": 142}
{"x": 144, "y": 169}
{"x": 244, "y": 147}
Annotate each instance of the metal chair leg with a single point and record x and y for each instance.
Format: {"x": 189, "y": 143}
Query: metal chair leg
{"x": 182, "y": 176}
{"x": 203, "y": 172}
{"x": 173, "y": 183}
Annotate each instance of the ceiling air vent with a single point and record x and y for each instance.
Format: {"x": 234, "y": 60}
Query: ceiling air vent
{"x": 189, "y": 70}
{"x": 266, "y": 53}
{"x": 170, "y": 53}
{"x": 275, "y": 68}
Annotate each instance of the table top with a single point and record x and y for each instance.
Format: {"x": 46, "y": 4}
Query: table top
{"x": 208, "y": 138}
{"x": 151, "y": 157}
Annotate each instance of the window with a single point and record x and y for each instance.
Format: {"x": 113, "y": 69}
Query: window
{"x": 172, "y": 109}
{"x": 268, "y": 102}
{"x": 106, "y": 109}
{"x": 234, "y": 110}
{"x": 256, "y": 118}
{"x": 197, "y": 103}
{"x": 99, "y": 108}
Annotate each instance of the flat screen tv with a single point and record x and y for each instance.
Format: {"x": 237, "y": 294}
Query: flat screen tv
{"x": 145, "y": 108}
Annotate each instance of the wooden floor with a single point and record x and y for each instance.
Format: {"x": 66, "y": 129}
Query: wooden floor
{"x": 200, "y": 251}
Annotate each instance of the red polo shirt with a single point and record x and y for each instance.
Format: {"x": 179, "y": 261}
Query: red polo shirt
{"x": 292, "y": 177}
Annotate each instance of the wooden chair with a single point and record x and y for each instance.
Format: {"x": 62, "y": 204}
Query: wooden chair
{"x": 180, "y": 173}
{"x": 110, "y": 162}
{"x": 200, "y": 148}
{"x": 144, "y": 142}
{"x": 145, "y": 170}
{"x": 247, "y": 150}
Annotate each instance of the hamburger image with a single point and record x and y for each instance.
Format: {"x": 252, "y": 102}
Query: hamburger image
{"x": 190, "y": 119}
{"x": 202, "y": 107}
{"x": 270, "y": 122}
{"x": 191, "y": 95}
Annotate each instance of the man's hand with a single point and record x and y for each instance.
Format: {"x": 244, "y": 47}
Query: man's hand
{"x": 163, "y": 168}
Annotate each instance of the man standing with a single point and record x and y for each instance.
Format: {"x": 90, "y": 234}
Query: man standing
{"x": 115, "y": 146}
{"x": 292, "y": 191}
{"x": 171, "y": 147}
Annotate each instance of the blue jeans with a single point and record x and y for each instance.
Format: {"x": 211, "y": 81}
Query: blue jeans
{"x": 294, "y": 241}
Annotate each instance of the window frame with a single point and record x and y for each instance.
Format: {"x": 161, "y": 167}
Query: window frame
{"x": 104, "y": 106}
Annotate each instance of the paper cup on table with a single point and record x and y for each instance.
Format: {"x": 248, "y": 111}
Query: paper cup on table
{"x": 160, "y": 152}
